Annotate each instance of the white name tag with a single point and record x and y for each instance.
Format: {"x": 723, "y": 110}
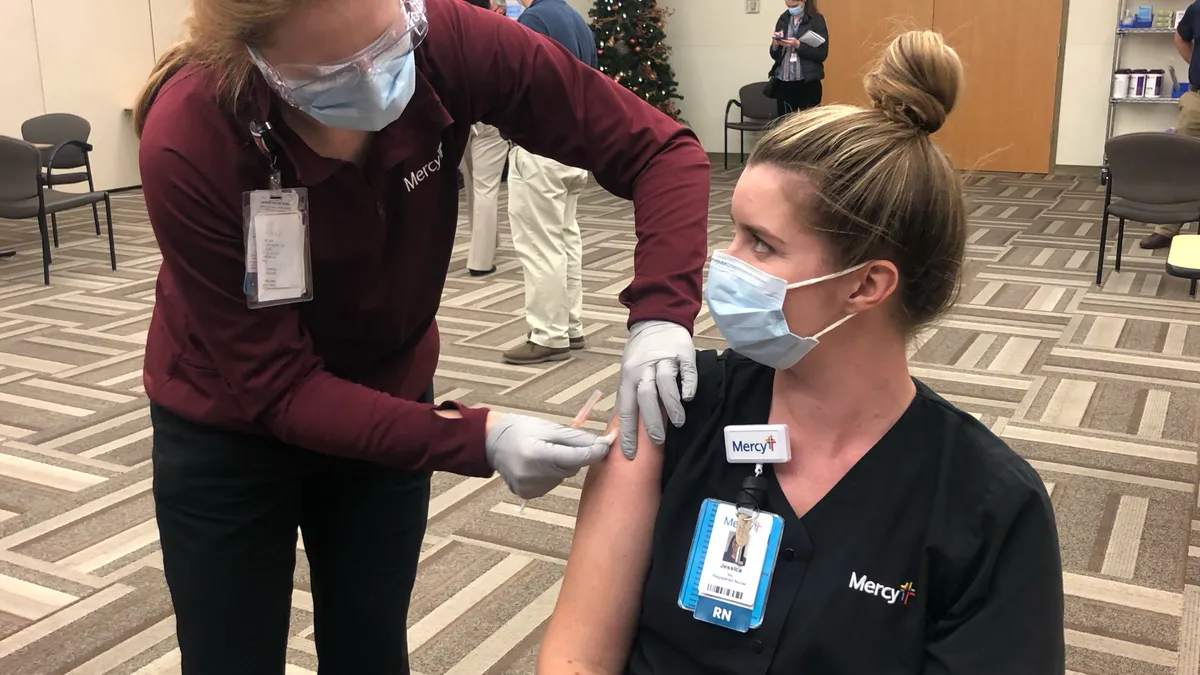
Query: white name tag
{"x": 757, "y": 444}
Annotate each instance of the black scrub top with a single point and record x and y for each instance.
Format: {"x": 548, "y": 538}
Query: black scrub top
{"x": 939, "y": 503}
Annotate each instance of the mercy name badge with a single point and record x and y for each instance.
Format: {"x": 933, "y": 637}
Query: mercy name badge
{"x": 757, "y": 444}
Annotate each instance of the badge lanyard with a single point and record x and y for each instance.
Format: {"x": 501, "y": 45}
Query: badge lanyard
{"x": 734, "y": 549}
{"x": 276, "y": 235}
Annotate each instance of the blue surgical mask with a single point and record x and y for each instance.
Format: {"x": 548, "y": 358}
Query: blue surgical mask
{"x": 796, "y": 11}
{"x": 368, "y": 100}
{"x": 367, "y": 90}
{"x": 747, "y": 305}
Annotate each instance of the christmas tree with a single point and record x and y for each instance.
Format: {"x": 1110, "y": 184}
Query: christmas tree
{"x": 631, "y": 48}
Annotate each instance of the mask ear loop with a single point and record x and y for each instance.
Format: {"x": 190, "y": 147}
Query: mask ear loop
{"x": 827, "y": 277}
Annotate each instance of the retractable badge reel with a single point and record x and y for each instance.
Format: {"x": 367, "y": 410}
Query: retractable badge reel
{"x": 734, "y": 549}
{"x": 275, "y": 228}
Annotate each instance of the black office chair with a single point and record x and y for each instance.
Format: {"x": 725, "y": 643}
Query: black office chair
{"x": 63, "y": 141}
{"x": 23, "y": 194}
{"x": 757, "y": 114}
{"x": 1155, "y": 178}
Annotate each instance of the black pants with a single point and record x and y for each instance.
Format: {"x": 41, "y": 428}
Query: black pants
{"x": 794, "y": 96}
{"x": 228, "y": 508}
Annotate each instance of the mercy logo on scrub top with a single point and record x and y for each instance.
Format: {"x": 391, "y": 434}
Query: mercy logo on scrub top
{"x": 757, "y": 444}
{"x": 864, "y": 585}
{"x": 414, "y": 179}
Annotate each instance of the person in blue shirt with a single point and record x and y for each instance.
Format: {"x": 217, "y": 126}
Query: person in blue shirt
{"x": 542, "y": 198}
{"x": 1189, "y": 108}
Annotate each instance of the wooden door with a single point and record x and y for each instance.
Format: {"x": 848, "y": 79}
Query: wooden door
{"x": 858, "y": 31}
{"x": 1005, "y": 114}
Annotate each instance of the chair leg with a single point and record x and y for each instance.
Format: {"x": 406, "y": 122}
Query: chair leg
{"x": 45, "y": 247}
{"x": 92, "y": 188}
{"x": 742, "y": 147}
{"x": 1103, "y": 241}
{"x": 1192, "y": 291}
{"x": 1120, "y": 241}
{"x": 727, "y": 148}
{"x": 96, "y": 218}
{"x": 112, "y": 247}
{"x": 54, "y": 226}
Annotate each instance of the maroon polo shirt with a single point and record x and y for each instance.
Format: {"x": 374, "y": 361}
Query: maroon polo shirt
{"x": 339, "y": 374}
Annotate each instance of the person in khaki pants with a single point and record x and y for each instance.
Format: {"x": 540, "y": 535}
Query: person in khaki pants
{"x": 543, "y": 196}
{"x": 1189, "y": 108}
{"x": 482, "y": 167}
{"x": 542, "y": 199}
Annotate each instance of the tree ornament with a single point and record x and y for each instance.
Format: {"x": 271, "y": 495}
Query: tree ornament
{"x": 631, "y": 49}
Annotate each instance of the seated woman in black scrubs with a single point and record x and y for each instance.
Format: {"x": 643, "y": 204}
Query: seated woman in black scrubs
{"x": 911, "y": 540}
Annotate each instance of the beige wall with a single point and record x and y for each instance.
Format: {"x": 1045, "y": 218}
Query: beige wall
{"x": 716, "y": 49}
{"x": 90, "y": 56}
{"x": 1087, "y": 80}
{"x": 87, "y": 57}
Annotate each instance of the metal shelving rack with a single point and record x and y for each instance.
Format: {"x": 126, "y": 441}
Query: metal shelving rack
{"x": 1122, "y": 33}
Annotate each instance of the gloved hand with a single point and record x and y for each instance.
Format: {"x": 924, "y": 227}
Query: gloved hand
{"x": 535, "y": 455}
{"x": 657, "y": 352}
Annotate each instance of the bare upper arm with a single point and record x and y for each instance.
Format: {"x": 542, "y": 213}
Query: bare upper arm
{"x": 593, "y": 623}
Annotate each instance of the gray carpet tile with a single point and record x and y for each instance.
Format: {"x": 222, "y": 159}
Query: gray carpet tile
{"x": 1098, "y": 386}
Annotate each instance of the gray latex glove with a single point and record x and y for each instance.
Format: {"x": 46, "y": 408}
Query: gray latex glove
{"x": 658, "y": 352}
{"x": 533, "y": 455}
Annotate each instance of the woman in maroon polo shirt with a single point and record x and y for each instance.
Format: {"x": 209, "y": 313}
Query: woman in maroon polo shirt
{"x": 298, "y": 163}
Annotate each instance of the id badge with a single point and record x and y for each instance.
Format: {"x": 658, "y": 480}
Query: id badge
{"x": 278, "y": 261}
{"x": 795, "y": 59}
{"x": 757, "y": 444}
{"x": 728, "y": 574}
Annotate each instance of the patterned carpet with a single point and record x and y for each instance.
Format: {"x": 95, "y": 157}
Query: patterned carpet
{"x": 1098, "y": 387}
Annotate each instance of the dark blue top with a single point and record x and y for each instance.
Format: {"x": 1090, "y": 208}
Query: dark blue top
{"x": 558, "y": 21}
{"x": 955, "y": 525}
{"x": 1189, "y": 30}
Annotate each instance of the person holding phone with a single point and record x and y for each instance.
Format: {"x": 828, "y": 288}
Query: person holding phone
{"x": 799, "y": 48}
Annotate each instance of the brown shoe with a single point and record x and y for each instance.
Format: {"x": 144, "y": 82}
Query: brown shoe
{"x": 1155, "y": 241}
{"x": 530, "y": 353}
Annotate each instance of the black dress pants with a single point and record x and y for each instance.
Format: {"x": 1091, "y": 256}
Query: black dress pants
{"x": 228, "y": 507}
{"x": 794, "y": 96}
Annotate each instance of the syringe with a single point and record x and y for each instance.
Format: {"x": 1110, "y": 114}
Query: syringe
{"x": 580, "y": 418}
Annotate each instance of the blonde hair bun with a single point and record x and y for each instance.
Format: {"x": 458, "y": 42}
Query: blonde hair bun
{"x": 916, "y": 80}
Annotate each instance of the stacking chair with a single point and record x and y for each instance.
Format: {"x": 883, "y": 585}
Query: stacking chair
{"x": 756, "y": 114}
{"x": 62, "y": 138}
{"x": 23, "y": 194}
{"x": 1155, "y": 178}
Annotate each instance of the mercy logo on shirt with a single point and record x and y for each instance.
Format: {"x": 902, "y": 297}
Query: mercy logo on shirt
{"x": 889, "y": 594}
{"x": 414, "y": 179}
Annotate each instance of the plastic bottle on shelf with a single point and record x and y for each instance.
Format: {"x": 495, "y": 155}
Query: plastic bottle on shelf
{"x": 1121, "y": 83}
{"x": 1137, "y": 83}
{"x": 1154, "y": 80}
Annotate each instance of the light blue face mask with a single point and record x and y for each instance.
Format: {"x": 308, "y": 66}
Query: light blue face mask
{"x": 796, "y": 11}
{"x": 367, "y": 100}
{"x": 747, "y": 305}
{"x": 366, "y": 91}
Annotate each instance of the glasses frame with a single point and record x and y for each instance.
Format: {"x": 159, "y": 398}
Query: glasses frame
{"x": 416, "y": 26}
